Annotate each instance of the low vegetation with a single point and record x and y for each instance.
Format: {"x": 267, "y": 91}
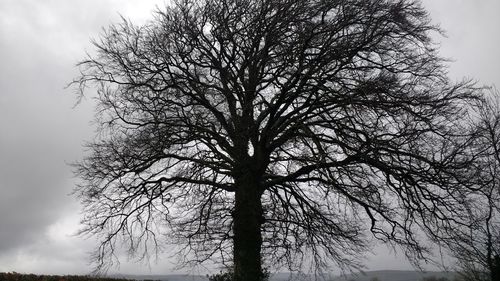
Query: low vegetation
{"x": 14, "y": 276}
{"x": 229, "y": 276}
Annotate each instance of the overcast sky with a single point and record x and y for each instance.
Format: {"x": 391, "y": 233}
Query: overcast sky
{"x": 40, "y": 131}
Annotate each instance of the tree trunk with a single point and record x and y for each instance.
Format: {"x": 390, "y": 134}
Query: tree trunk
{"x": 248, "y": 218}
{"x": 495, "y": 268}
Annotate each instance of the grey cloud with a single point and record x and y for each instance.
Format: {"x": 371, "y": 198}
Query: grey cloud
{"x": 40, "y": 132}
{"x": 32, "y": 181}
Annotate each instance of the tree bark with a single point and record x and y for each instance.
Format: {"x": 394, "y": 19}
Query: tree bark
{"x": 248, "y": 218}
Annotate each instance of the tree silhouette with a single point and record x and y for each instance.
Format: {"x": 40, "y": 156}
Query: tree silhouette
{"x": 276, "y": 131}
{"x": 476, "y": 243}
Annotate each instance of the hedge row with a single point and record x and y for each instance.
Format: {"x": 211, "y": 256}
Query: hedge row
{"x": 13, "y": 276}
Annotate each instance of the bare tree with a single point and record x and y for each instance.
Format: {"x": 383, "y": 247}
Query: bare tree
{"x": 476, "y": 244}
{"x": 282, "y": 132}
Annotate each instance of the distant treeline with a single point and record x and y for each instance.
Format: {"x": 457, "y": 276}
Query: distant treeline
{"x": 33, "y": 277}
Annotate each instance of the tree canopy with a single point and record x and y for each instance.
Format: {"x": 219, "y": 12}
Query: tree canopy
{"x": 476, "y": 243}
{"x": 283, "y": 132}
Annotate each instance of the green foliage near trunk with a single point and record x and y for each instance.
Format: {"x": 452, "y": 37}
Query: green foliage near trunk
{"x": 229, "y": 276}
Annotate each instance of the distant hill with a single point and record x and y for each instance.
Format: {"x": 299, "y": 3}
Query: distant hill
{"x": 395, "y": 275}
{"x": 382, "y": 275}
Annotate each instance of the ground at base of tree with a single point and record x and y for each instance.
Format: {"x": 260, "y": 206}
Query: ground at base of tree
{"x": 381, "y": 275}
